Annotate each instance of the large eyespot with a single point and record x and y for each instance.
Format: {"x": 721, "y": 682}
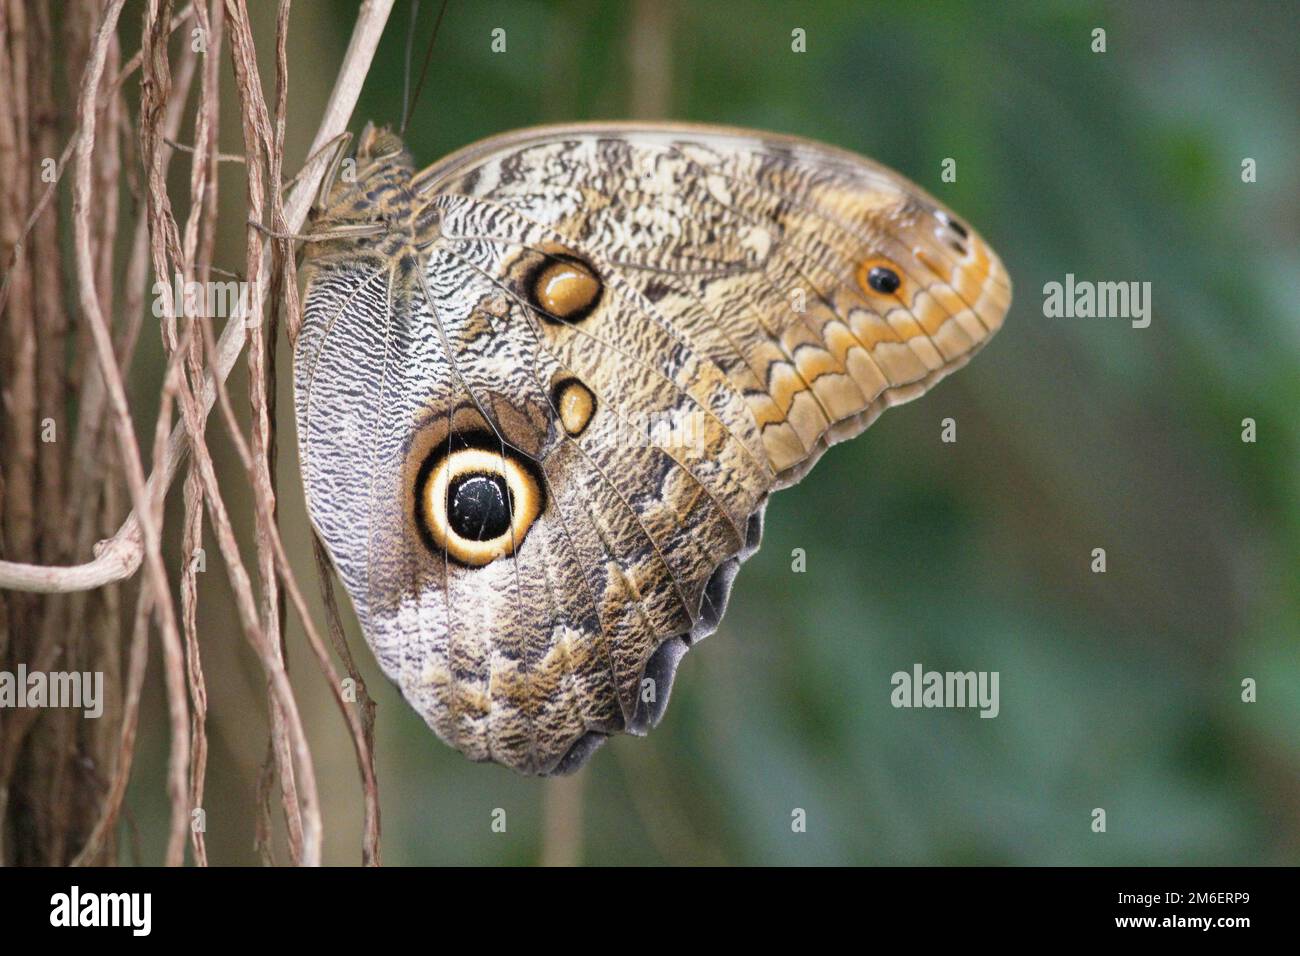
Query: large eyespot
{"x": 479, "y": 506}
{"x": 474, "y": 502}
{"x": 564, "y": 288}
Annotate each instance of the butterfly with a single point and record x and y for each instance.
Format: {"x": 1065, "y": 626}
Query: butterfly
{"x": 545, "y": 387}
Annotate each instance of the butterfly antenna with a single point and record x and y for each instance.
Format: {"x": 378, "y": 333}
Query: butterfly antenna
{"x": 406, "y": 69}
{"x": 424, "y": 70}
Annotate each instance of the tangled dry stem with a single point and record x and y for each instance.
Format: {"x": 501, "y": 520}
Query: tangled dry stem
{"x": 63, "y": 781}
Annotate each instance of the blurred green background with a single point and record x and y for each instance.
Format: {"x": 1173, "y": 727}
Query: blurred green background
{"x": 1119, "y": 690}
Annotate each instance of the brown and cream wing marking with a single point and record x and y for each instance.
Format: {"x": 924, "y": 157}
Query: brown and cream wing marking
{"x": 540, "y": 416}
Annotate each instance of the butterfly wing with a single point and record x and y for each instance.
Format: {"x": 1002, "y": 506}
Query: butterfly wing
{"x": 541, "y": 416}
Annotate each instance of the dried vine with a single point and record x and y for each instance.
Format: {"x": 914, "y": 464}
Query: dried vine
{"x": 74, "y": 301}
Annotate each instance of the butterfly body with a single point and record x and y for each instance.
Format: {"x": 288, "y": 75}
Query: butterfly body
{"x": 543, "y": 403}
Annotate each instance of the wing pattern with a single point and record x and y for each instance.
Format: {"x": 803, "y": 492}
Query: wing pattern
{"x": 541, "y": 414}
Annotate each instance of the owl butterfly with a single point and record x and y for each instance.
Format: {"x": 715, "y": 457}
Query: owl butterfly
{"x": 545, "y": 387}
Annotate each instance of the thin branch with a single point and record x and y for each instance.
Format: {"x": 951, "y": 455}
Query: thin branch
{"x": 119, "y": 557}
{"x": 106, "y": 96}
{"x": 562, "y": 820}
{"x": 261, "y": 153}
{"x": 128, "y": 447}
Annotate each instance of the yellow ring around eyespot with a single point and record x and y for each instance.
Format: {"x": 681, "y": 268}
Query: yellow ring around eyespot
{"x": 524, "y": 493}
{"x": 863, "y": 275}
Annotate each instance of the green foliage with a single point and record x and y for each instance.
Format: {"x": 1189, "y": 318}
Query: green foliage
{"x": 1118, "y": 690}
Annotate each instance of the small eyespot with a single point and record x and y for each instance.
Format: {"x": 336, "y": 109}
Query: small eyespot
{"x": 575, "y": 405}
{"x": 879, "y": 276}
{"x": 883, "y": 279}
{"x": 565, "y": 289}
{"x": 475, "y": 503}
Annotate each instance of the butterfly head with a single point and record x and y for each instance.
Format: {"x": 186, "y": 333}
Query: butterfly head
{"x": 381, "y": 151}
{"x": 371, "y": 188}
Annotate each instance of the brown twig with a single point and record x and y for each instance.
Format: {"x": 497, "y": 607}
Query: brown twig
{"x": 194, "y": 380}
{"x": 119, "y": 557}
{"x": 51, "y": 187}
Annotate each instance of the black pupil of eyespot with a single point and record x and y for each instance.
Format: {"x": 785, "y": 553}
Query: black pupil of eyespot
{"x": 478, "y": 506}
{"x": 882, "y": 279}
